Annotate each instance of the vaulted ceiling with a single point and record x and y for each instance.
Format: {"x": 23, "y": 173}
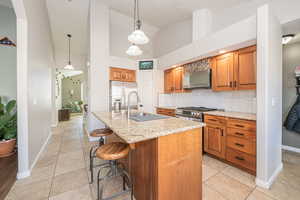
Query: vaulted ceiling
{"x": 163, "y": 12}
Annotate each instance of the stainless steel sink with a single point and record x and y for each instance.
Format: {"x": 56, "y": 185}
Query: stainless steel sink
{"x": 143, "y": 117}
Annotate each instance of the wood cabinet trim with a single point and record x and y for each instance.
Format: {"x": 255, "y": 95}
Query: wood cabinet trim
{"x": 126, "y": 75}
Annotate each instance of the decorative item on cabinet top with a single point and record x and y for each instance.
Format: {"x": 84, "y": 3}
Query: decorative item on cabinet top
{"x": 121, "y": 74}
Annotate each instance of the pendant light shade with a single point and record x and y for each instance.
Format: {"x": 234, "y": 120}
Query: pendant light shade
{"x": 134, "y": 50}
{"x": 287, "y": 38}
{"x": 138, "y": 37}
{"x": 69, "y": 66}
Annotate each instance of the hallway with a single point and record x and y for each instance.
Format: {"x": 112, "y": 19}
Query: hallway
{"x": 62, "y": 174}
{"x": 62, "y": 170}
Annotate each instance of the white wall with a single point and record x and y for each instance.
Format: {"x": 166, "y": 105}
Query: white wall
{"x": 291, "y": 59}
{"x": 120, "y": 26}
{"x": 236, "y": 36}
{"x": 98, "y": 72}
{"x": 237, "y": 101}
{"x": 40, "y": 62}
{"x": 172, "y": 37}
{"x": 8, "y": 54}
{"x": 269, "y": 97}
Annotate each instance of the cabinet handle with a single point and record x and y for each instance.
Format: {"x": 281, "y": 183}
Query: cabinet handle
{"x": 234, "y": 85}
{"x": 239, "y": 158}
{"x": 241, "y": 134}
{"x": 238, "y": 144}
{"x": 214, "y": 120}
{"x": 222, "y": 132}
{"x": 241, "y": 126}
{"x": 230, "y": 84}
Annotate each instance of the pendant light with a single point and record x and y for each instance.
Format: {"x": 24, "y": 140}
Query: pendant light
{"x": 287, "y": 38}
{"x": 69, "y": 66}
{"x": 137, "y": 37}
{"x": 134, "y": 50}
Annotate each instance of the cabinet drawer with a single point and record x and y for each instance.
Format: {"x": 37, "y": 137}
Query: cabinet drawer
{"x": 248, "y": 135}
{"x": 164, "y": 111}
{"x": 211, "y": 119}
{"x": 241, "y": 124}
{"x": 241, "y": 144}
{"x": 241, "y": 159}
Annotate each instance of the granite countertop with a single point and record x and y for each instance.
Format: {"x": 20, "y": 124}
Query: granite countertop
{"x": 131, "y": 131}
{"x": 238, "y": 115}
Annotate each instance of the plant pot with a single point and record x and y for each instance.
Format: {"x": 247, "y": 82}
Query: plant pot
{"x": 7, "y": 148}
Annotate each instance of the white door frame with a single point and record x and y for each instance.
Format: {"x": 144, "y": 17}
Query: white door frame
{"x": 22, "y": 89}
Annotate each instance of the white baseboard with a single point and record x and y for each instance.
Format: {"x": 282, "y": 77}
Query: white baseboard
{"x": 21, "y": 175}
{"x": 289, "y": 148}
{"x": 41, "y": 151}
{"x": 267, "y": 184}
{"x": 54, "y": 125}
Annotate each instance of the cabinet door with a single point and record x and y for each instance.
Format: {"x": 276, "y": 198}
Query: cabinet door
{"x": 115, "y": 74}
{"x": 129, "y": 76}
{"x": 169, "y": 81}
{"x": 245, "y": 68}
{"x": 214, "y": 140}
{"x": 222, "y": 72}
{"x": 178, "y": 73}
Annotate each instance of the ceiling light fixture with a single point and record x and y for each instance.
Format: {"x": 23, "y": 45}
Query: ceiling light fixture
{"x": 69, "y": 66}
{"x": 137, "y": 36}
{"x": 287, "y": 38}
{"x": 134, "y": 50}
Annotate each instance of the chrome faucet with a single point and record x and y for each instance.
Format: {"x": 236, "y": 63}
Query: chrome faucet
{"x": 129, "y": 102}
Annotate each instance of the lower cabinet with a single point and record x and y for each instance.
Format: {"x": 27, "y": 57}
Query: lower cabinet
{"x": 232, "y": 140}
{"x": 214, "y": 140}
{"x": 166, "y": 111}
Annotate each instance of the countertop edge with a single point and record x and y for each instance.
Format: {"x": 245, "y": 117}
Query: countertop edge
{"x": 235, "y": 115}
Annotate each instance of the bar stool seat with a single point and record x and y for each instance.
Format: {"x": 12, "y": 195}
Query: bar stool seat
{"x": 113, "y": 151}
{"x": 101, "y": 132}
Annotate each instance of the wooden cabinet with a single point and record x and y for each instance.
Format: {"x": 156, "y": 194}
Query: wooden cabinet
{"x": 235, "y": 70}
{"x": 233, "y": 140}
{"x": 173, "y": 80}
{"x": 166, "y": 111}
{"x": 214, "y": 140}
{"x": 245, "y": 68}
{"x": 222, "y": 72}
{"x": 124, "y": 75}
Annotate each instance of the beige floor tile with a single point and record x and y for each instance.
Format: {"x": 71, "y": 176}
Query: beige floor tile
{"x": 291, "y": 157}
{"x": 281, "y": 191}
{"x": 70, "y": 146}
{"x": 82, "y": 193}
{"x": 38, "y": 174}
{"x": 258, "y": 195}
{"x": 289, "y": 177}
{"x": 46, "y": 161}
{"x": 214, "y": 163}
{"x": 34, "y": 191}
{"x": 69, "y": 181}
{"x": 229, "y": 187}
{"x": 208, "y": 172}
{"x": 210, "y": 194}
{"x": 69, "y": 162}
{"x": 240, "y": 176}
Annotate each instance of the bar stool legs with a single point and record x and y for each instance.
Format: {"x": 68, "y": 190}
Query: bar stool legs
{"x": 113, "y": 171}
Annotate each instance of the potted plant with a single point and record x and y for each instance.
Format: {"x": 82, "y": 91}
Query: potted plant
{"x": 8, "y": 128}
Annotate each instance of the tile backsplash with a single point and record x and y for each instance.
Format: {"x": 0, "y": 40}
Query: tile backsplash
{"x": 237, "y": 101}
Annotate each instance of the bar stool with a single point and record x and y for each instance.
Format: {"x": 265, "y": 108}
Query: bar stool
{"x": 113, "y": 152}
{"x": 97, "y": 133}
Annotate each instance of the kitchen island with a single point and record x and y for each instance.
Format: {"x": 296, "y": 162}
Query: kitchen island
{"x": 165, "y": 161}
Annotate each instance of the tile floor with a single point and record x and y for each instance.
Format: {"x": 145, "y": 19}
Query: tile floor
{"x": 62, "y": 174}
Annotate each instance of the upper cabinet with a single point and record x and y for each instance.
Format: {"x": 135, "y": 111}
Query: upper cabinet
{"x": 120, "y": 74}
{"x": 235, "y": 70}
{"x": 173, "y": 80}
{"x": 245, "y": 68}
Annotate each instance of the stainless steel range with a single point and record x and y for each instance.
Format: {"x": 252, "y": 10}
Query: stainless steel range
{"x": 192, "y": 113}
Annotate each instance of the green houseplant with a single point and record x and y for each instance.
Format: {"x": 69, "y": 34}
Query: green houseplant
{"x": 8, "y": 127}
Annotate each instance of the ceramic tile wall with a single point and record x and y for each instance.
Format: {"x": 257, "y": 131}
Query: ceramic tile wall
{"x": 237, "y": 101}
